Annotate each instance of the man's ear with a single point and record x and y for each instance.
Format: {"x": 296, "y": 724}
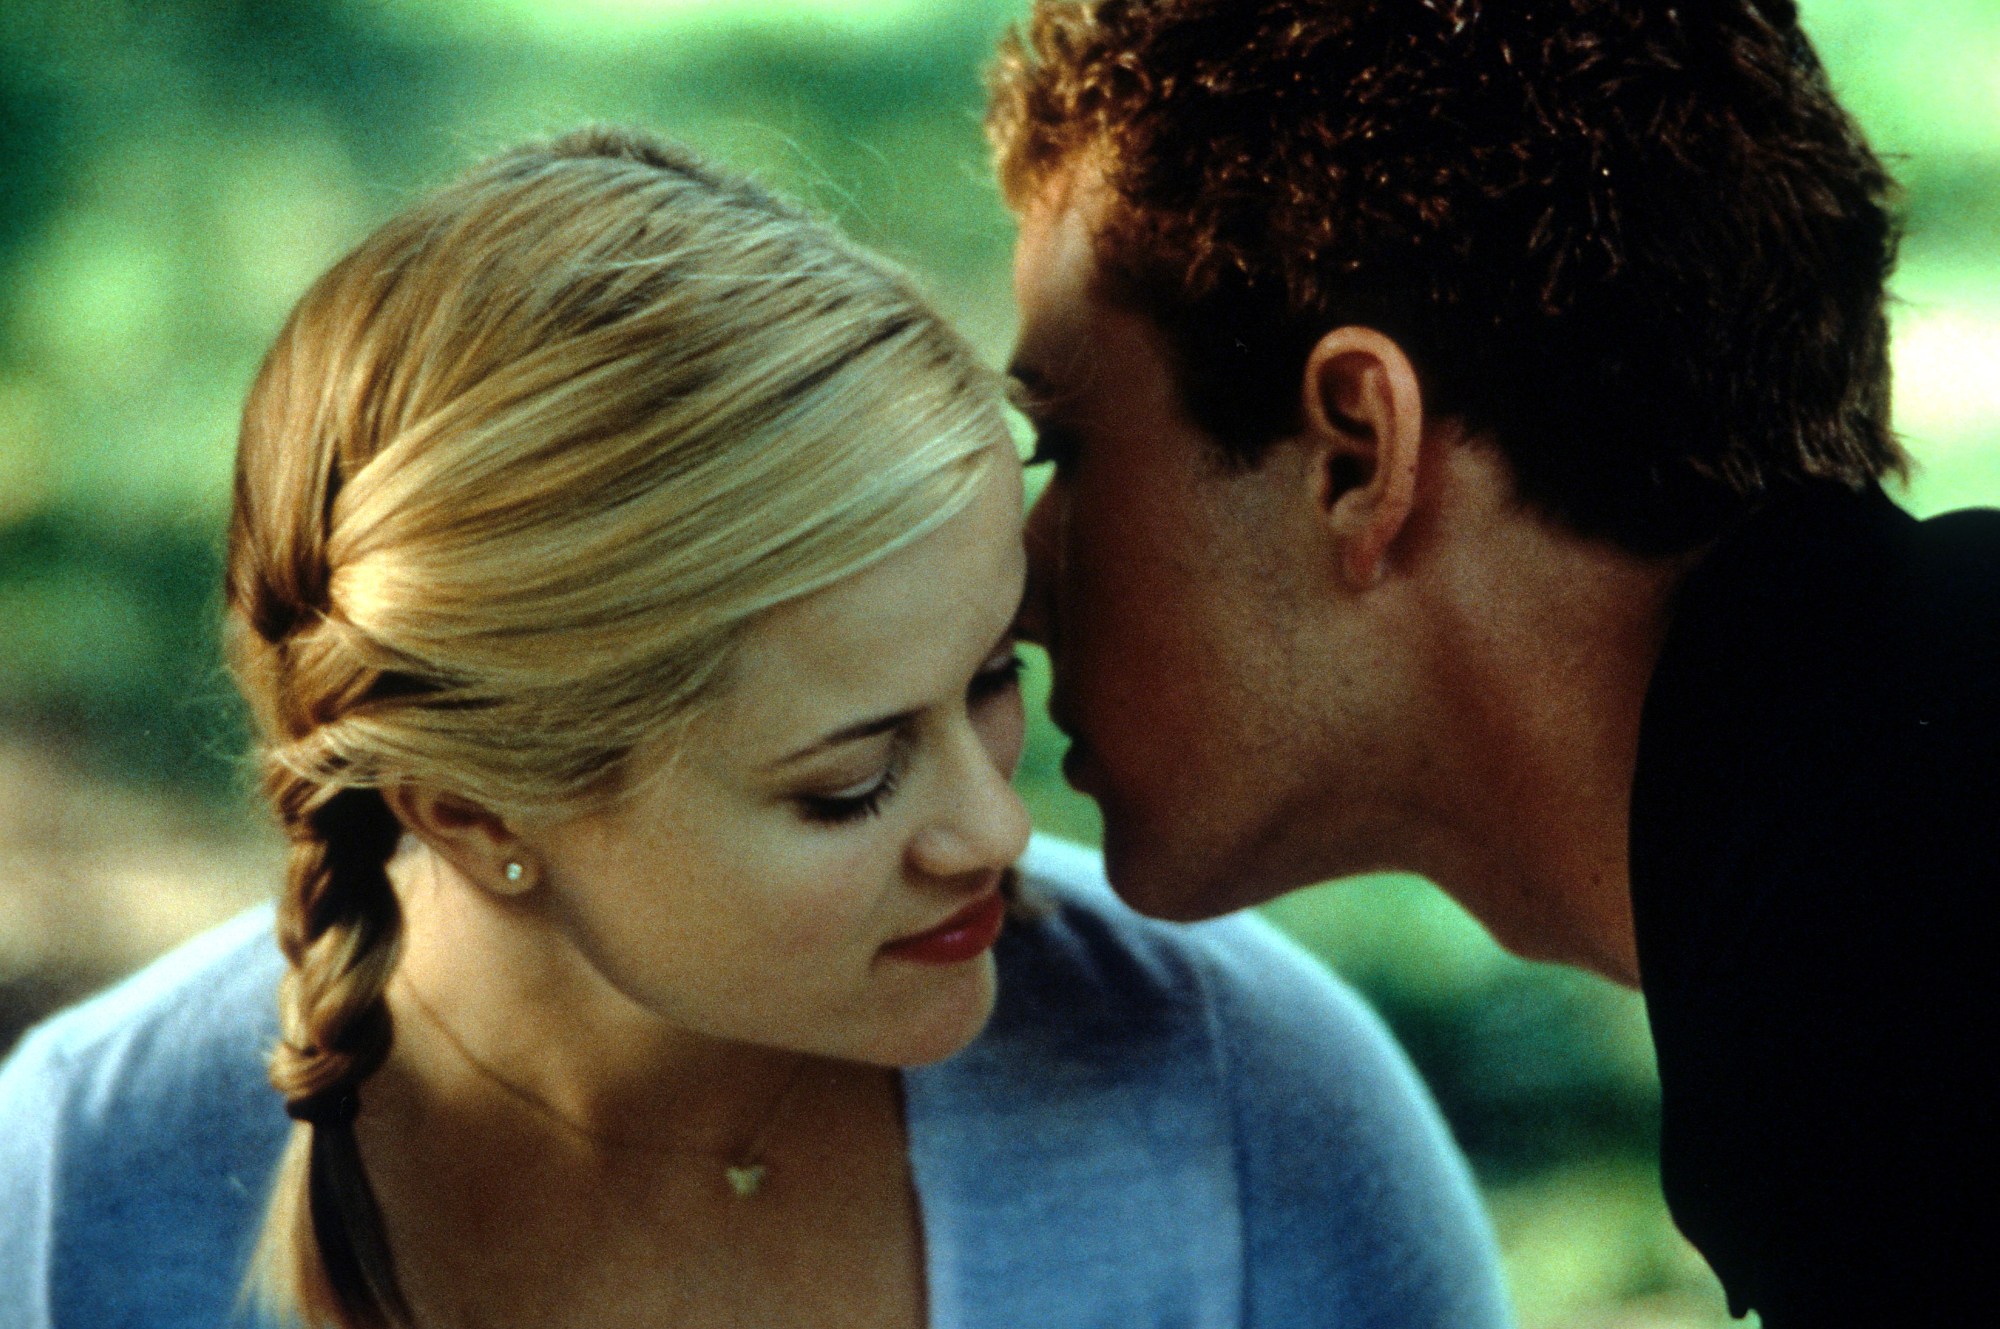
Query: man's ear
{"x": 478, "y": 843}
{"x": 1364, "y": 421}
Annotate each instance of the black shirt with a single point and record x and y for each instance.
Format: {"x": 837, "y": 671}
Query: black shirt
{"x": 1815, "y": 860}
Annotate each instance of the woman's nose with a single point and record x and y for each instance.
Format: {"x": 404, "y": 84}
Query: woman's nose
{"x": 982, "y": 825}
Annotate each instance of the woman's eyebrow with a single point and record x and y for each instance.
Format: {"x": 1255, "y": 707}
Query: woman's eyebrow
{"x": 871, "y": 728}
{"x": 881, "y": 724}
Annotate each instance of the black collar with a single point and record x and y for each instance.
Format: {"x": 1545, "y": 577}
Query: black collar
{"x": 1792, "y": 618}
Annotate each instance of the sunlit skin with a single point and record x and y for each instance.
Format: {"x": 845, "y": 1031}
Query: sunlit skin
{"x": 576, "y": 1059}
{"x": 1363, "y": 653}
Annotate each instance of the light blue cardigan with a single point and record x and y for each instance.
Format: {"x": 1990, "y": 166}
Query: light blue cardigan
{"x": 1163, "y": 1126}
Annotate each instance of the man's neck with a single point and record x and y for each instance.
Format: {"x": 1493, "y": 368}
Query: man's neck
{"x": 1545, "y": 649}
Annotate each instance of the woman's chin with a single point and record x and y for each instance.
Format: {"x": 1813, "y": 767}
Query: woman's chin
{"x": 948, "y": 1016}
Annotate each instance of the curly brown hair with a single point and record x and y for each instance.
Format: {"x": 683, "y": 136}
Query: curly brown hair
{"x": 1636, "y": 242}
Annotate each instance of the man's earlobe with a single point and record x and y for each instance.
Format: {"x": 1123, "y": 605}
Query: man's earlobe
{"x": 1364, "y": 419}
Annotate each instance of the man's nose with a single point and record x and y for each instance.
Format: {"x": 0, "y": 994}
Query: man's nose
{"x": 1037, "y": 621}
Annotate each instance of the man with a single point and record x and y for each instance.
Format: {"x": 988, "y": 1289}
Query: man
{"x": 1469, "y": 423}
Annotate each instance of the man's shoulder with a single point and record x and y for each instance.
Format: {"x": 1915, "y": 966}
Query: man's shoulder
{"x": 1830, "y": 653}
{"x": 1957, "y": 561}
{"x": 1957, "y": 604}
{"x": 1971, "y": 533}
{"x": 1814, "y": 879}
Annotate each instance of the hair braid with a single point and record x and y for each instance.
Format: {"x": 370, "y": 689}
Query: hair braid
{"x": 339, "y": 926}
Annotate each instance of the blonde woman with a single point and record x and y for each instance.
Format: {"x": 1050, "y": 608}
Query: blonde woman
{"x": 621, "y": 573}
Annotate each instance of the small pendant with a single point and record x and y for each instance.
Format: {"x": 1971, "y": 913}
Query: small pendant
{"x": 745, "y": 1179}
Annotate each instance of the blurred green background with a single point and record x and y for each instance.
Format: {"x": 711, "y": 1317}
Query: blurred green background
{"x": 173, "y": 173}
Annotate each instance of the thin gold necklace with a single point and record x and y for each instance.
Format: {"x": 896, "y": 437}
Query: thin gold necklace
{"x": 743, "y": 1171}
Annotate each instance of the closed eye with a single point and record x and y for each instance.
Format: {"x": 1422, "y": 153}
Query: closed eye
{"x": 845, "y": 806}
{"x": 997, "y": 678}
{"x": 841, "y": 808}
{"x": 1053, "y": 446}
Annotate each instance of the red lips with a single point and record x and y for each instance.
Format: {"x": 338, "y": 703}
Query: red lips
{"x": 964, "y": 935}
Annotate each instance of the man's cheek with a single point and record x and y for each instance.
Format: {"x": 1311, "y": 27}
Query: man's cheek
{"x": 1159, "y": 716}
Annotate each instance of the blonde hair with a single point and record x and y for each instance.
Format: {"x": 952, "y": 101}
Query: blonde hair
{"x": 515, "y": 477}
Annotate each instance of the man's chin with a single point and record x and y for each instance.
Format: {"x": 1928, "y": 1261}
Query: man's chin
{"x": 1178, "y": 883}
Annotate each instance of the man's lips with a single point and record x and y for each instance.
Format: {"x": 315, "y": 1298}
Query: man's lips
{"x": 1080, "y": 766}
{"x": 1076, "y": 761}
{"x": 962, "y": 936}
{"x": 1075, "y": 765}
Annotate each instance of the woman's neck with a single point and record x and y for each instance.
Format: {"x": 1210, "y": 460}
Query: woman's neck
{"x": 537, "y": 1142}
{"x": 498, "y": 1012}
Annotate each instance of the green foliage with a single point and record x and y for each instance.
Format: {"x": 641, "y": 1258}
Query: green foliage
{"x": 110, "y": 647}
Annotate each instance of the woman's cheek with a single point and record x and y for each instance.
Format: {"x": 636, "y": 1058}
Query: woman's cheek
{"x": 832, "y": 894}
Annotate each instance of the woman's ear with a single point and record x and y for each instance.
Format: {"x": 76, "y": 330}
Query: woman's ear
{"x": 478, "y": 843}
{"x": 1364, "y": 421}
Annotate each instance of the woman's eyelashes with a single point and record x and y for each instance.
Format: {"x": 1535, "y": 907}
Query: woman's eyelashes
{"x": 851, "y": 805}
{"x": 839, "y": 808}
{"x": 996, "y": 678}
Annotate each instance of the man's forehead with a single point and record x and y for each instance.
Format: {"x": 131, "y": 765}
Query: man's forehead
{"x": 1055, "y": 270}
{"x": 1065, "y": 202}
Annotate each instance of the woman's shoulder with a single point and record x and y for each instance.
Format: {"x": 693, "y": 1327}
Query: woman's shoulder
{"x": 1082, "y": 947}
{"x": 1223, "y": 1046}
{"x": 201, "y": 1008}
{"x": 137, "y": 1136}
{"x": 1280, "y": 1026}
